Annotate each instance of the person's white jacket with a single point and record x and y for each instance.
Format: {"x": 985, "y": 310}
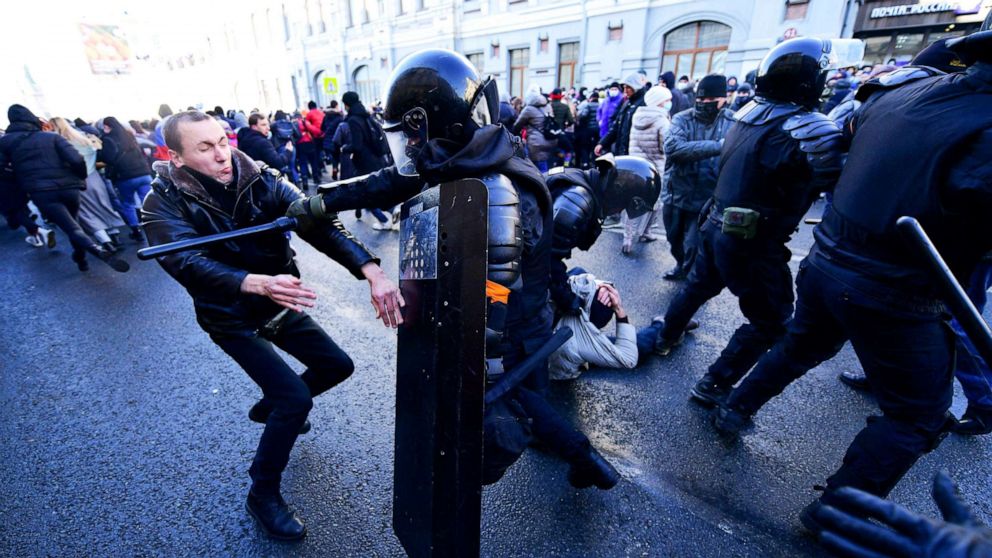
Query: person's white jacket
{"x": 590, "y": 346}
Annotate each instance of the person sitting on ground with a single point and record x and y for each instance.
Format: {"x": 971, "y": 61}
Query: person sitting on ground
{"x": 589, "y": 345}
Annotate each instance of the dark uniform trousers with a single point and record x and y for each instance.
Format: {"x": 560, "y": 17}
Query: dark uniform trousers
{"x": 906, "y": 348}
{"x": 682, "y": 231}
{"x": 288, "y": 395}
{"x": 756, "y": 271}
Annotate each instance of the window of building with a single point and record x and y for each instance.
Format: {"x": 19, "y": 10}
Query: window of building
{"x": 542, "y": 44}
{"x": 366, "y": 87}
{"x": 568, "y": 58}
{"x": 519, "y": 59}
{"x": 615, "y": 32}
{"x": 795, "y": 9}
{"x": 477, "y": 59}
{"x": 696, "y": 49}
{"x": 495, "y": 51}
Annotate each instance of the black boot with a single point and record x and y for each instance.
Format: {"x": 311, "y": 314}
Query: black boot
{"x": 260, "y": 412}
{"x": 109, "y": 258}
{"x": 593, "y": 469}
{"x": 708, "y": 391}
{"x": 136, "y": 234}
{"x": 80, "y": 258}
{"x": 975, "y": 421}
{"x": 275, "y": 517}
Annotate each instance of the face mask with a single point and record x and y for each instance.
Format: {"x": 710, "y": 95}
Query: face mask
{"x": 707, "y": 111}
{"x": 667, "y": 106}
{"x": 614, "y": 92}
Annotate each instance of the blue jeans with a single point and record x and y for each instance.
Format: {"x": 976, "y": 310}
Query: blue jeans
{"x": 906, "y": 349}
{"x": 140, "y": 186}
{"x": 972, "y": 370}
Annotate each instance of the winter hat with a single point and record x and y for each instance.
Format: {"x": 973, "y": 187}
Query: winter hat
{"x": 668, "y": 78}
{"x": 657, "y": 95}
{"x": 633, "y": 81}
{"x": 937, "y": 55}
{"x": 349, "y": 99}
{"x": 745, "y": 88}
{"x": 713, "y": 85}
{"x": 555, "y": 94}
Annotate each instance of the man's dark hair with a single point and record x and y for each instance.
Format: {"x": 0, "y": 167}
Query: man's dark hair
{"x": 253, "y": 119}
{"x": 311, "y": 105}
{"x": 334, "y": 104}
{"x": 170, "y": 130}
{"x": 219, "y": 110}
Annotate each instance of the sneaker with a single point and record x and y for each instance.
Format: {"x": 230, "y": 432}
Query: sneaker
{"x": 708, "y": 391}
{"x": 34, "y": 240}
{"x": 47, "y": 236}
{"x": 728, "y": 421}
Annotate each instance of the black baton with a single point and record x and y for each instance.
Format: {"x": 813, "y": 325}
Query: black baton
{"x": 281, "y": 224}
{"x": 956, "y": 299}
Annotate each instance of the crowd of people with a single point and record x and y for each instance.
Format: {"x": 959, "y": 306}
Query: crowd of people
{"x": 730, "y": 167}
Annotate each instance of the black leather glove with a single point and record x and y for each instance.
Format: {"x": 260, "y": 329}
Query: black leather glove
{"x": 900, "y": 532}
{"x": 306, "y": 211}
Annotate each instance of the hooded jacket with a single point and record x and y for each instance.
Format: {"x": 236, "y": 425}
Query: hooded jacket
{"x": 43, "y": 161}
{"x": 617, "y": 140}
{"x": 363, "y": 140}
{"x": 179, "y": 207}
{"x": 692, "y": 151}
{"x": 121, "y": 152}
{"x": 490, "y": 149}
{"x": 590, "y": 346}
{"x": 532, "y": 118}
{"x": 647, "y": 139}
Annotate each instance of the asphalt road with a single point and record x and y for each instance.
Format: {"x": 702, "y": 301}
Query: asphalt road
{"x": 123, "y": 430}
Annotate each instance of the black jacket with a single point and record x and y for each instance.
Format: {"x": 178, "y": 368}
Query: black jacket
{"x": 491, "y": 150}
{"x": 363, "y": 141}
{"x": 692, "y": 148}
{"x": 121, "y": 152}
{"x": 42, "y": 160}
{"x": 617, "y": 140}
{"x": 253, "y": 144}
{"x": 179, "y": 207}
{"x": 332, "y": 119}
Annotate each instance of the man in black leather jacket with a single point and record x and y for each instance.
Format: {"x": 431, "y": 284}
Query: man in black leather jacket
{"x": 247, "y": 293}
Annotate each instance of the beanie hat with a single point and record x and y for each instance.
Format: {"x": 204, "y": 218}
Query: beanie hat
{"x": 657, "y": 95}
{"x": 713, "y": 86}
{"x": 633, "y": 81}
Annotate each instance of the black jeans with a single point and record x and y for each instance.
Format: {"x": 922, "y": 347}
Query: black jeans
{"x": 288, "y": 395}
{"x": 62, "y": 208}
{"x": 757, "y": 272}
{"x": 682, "y": 230}
{"x": 906, "y": 350}
{"x": 310, "y": 160}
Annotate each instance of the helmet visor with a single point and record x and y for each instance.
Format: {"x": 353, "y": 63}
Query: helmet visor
{"x": 840, "y": 53}
{"x": 407, "y": 139}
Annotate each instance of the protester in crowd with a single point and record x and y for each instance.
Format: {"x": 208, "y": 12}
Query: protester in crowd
{"x": 363, "y": 144}
{"x": 590, "y": 345}
{"x": 127, "y": 169}
{"x": 586, "y": 131}
{"x": 532, "y": 119}
{"x": 97, "y": 215}
{"x": 507, "y": 115}
{"x": 617, "y": 139}
{"x": 647, "y": 139}
{"x": 161, "y": 151}
{"x": 14, "y": 208}
{"x": 743, "y": 96}
{"x": 679, "y": 100}
{"x": 254, "y": 142}
{"x": 332, "y": 118}
{"x": 52, "y": 173}
{"x": 313, "y": 151}
{"x": 692, "y": 148}
{"x": 607, "y": 107}
{"x": 562, "y": 112}
{"x": 284, "y": 137}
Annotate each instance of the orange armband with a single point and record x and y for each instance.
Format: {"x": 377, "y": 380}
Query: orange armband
{"x": 496, "y": 292}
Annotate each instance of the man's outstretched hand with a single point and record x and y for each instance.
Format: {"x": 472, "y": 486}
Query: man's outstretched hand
{"x": 386, "y": 297}
{"x": 285, "y": 290}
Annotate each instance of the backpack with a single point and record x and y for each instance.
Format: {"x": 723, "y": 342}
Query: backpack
{"x": 550, "y": 129}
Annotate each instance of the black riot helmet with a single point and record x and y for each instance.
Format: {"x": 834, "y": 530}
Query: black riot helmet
{"x": 628, "y": 183}
{"x": 795, "y": 71}
{"x": 435, "y": 94}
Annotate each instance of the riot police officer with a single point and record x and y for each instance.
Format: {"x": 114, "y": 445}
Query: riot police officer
{"x": 582, "y": 199}
{"x": 439, "y": 119}
{"x": 776, "y": 159}
{"x": 862, "y": 282}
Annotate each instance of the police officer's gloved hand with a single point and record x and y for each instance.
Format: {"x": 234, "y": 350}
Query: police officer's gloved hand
{"x": 307, "y": 211}
{"x": 899, "y": 531}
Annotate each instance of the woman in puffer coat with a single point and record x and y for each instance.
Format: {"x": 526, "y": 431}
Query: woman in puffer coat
{"x": 532, "y": 118}
{"x": 647, "y": 139}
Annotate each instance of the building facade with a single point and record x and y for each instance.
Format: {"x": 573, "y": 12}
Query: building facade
{"x": 318, "y": 49}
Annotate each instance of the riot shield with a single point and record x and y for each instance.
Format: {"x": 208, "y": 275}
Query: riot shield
{"x": 440, "y": 371}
